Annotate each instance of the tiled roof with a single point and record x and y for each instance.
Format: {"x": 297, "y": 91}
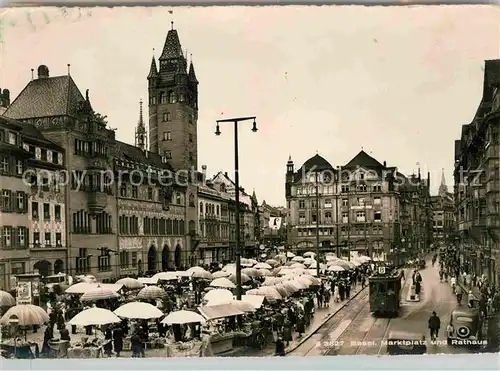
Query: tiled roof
{"x": 316, "y": 163}
{"x": 46, "y": 97}
{"x": 364, "y": 160}
{"x": 172, "y": 47}
{"x": 128, "y": 152}
{"x": 29, "y": 131}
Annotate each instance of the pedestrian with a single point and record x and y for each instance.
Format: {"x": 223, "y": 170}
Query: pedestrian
{"x": 287, "y": 332}
{"x": 301, "y": 325}
{"x": 118, "y": 341}
{"x": 280, "y": 347}
{"x": 471, "y": 298}
{"x": 136, "y": 344}
{"x": 434, "y": 326}
{"x": 108, "y": 344}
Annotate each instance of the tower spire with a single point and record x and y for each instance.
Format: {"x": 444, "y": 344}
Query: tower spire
{"x": 140, "y": 131}
{"x": 443, "y": 188}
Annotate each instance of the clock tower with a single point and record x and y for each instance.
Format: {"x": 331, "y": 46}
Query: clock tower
{"x": 173, "y": 106}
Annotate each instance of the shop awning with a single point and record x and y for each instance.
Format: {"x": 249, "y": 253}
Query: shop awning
{"x": 243, "y": 306}
{"x": 219, "y": 311}
{"x": 254, "y": 300}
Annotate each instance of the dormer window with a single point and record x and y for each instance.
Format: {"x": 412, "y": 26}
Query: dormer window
{"x": 12, "y": 139}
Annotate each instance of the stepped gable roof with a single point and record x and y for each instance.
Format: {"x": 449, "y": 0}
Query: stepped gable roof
{"x": 47, "y": 97}
{"x": 128, "y": 152}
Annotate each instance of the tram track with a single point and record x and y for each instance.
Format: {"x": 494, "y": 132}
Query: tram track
{"x": 323, "y": 338}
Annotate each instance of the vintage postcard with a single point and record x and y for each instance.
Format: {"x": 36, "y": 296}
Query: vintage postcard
{"x": 249, "y": 181}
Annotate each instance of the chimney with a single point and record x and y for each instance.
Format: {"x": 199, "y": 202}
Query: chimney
{"x": 226, "y": 174}
{"x": 385, "y": 164}
{"x": 43, "y": 72}
{"x": 428, "y": 180}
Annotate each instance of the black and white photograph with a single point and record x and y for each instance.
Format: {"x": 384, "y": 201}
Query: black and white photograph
{"x": 249, "y": 181}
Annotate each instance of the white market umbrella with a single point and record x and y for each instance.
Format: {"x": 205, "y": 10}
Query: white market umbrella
{"x": 83, "y": 287}
{"x": 251, "y": 272}
{"x": 94, "y": 317}
{"x": 26, "y": 315}
{"x": 220, "y": 274}
{"x": 335, "y": 268}
{"x": 265, "y": 272}
{"x": 202, "y": 274}
{"x": 165, "y": 276}
{"x": 99, "y": 293}
{"x": 130, "y": 283}
{"x": 151, "y": 292}
{"x": 309, "y": 254}
{"x": 6, "y": 299}
{"x": 263, "y": 266}
{"x": 298, "y": 265}
{"x": 298, "y": 259}
{"x": 191, "y": 270}
{"x": 290, "y": 254}
{"x": 138, "y": 310}
{"x": 219, "y": 296}
{"x": 222, "y": 282}
{"x": 244, "y": 278}
{"x": 182, "y": 317}
{"x": 272, "y": 262}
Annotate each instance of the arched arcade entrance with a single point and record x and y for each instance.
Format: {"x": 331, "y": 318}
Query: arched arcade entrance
{"x": 58, "y": 266}
{"x": 44, "y": 268}
{"x": 164, "y": 258}
{"x": 152, "y": 259}
{"x": 178, "y": 256}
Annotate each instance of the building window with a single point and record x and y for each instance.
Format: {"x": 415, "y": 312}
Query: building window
{"x": 19, "y": 167}
{"x": 55, "y": 157}
{"x": 302, "y": 204}
{"x": 344, "y": 189}
{"x": 7, "y": 236}
{"x": 172, "y": 97}
{"x": 345, "y": 217}
{"x": 47, "y": 239}
{"x": 123, "y": 190}
{"x": 6, "y": 203}
{"x": 328, "y": 217}
{"x": 82, "y": 261}
{"x": 34, "y": 210}
{"x": 20, "y": 201}
{"x": 124, "y": 259}
{"x": 167, "y": 135}
{"x": 36, "y": 239}
{"x": 345, "y": 202}
{"x": 190, "y": 138}
{"x": 302, "y": 217}
{"x": 361, "y": 201}
{"x": 190, "y": 156}
{"x": 18, "y": 268}
{"x": 57, "y": 212}
{"x": 150, "y": 194}
{"x": 43, "y": 154}
{"x": 377, "y": 216}
{"x": 360, "y": 216}
{"x": 5, "y": 165}
{"x": 377, "y": 188}
{"x": 21, "y": 236}
{"x": 12, "y": 139}
{"x": 46, "y": 211}
{"x": 328, "y": 203}
{"x": 58, "y": 239}
{"x": 135, "y": 192}
{"x": 166, "y": 116}
{"x": 134, "y": 259}
{"x": 377, "y": 201}
{"x": 103, "y": 262}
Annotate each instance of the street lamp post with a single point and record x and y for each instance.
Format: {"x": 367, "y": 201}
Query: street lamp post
{"x": 235, "y": 121}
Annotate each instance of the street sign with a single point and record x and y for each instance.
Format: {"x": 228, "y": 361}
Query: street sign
{"x": 381, "y": 270}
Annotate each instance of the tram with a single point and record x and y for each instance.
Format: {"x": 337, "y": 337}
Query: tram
{"x": 385, "y": 291}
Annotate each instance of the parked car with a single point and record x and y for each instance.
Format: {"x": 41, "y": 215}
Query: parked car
{"x": 466, "y": 328}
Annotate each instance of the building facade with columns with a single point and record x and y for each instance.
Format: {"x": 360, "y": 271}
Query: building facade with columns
{"x": 358, "y": 204}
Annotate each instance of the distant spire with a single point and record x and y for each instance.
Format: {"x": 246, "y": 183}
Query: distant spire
{"x": 69, "y": 69}
{"x": 153, "y": 71}
{"x": 443, "y": 188}
{"x": 32, "y": 74}
{"x": 140, "y": 131}
{"x": 172, "y": 24}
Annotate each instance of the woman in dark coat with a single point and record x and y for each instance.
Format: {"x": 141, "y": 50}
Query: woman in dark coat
{"x": 118, "y": 340}
{"x": 47, "y": 336}
{"x": 280, "y": 347}
{"x": 287, "y": 332}
{"x": 108, "y": 346}
{"x": 301, "y": 326}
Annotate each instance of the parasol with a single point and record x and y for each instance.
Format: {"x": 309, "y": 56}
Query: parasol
{"x": 220, "y": 274}
{"x": 151, "y": 292}
{"x": 94, "y": 317}
{"x": 182, "y": 317}
{"x": 130, "y": 283}
{"x": 27, "y": 314}
{"x": 6, "y": 299}
{"x": 138, "y": 310}
{"x": 99, "y": 293}
{"x": 222, "y": 282}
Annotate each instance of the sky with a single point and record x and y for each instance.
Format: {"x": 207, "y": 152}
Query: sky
{"x": 397, "y": 82}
